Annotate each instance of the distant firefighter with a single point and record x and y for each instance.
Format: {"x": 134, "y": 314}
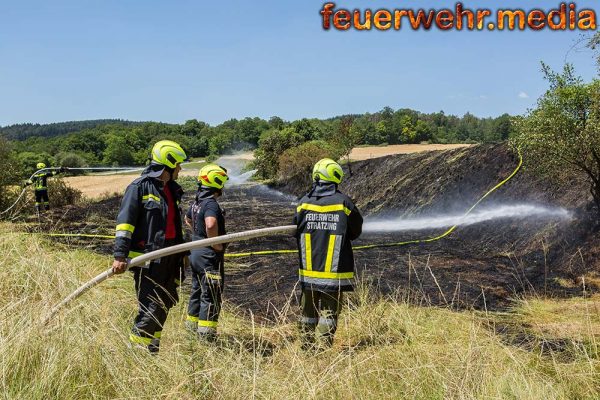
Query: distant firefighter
{"x": 327, "y": 221}
{"x": 40, "y": 183}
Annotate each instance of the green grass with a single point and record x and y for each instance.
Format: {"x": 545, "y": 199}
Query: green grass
{"x": 384, "y": 349}
{"x": 193, "y": 165}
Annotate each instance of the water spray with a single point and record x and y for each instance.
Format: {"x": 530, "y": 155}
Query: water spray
{"x": 444, "y": 221}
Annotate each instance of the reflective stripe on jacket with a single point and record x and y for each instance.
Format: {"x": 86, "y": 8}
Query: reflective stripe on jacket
{"x": 327, "y": 221}
{"x": 40, "y": 180}
{"x": 141, "y": 222}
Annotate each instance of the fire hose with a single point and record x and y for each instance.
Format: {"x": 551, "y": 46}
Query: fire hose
{"x": 140, "y": 260}
{"x": 364, "y": 247}
{"x": 146, "y": 258}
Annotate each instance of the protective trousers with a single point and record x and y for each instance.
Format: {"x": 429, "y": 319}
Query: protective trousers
{"x": 320, "y": 311}
{"x": 156, "y": 289}
{"x": 208, "y": 279}
{"x": 41, "y": 199}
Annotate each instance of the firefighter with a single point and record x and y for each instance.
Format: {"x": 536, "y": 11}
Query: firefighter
{"x": 150, "y": 219}
{"x": 327, "y": 221}
{"x": 40, "y": 183}
{"x": 206, "y": 219}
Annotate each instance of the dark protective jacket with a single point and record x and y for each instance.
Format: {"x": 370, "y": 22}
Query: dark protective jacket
{"x": 40, "y": 180}
{"x": 205, "y": 206}
{"x": 327, "y": 221}
{"x": 141, "y": 222}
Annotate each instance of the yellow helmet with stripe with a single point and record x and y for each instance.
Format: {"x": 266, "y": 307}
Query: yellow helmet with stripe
{"x": 327, "y": 170}
{"x": 40, "y": 165}
{"x": 213, "y": 176}
{"x": 168, "y": 153}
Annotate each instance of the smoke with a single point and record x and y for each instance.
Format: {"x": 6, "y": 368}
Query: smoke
{"x": 270, "y": 192}
{"x": 483, "y": 215}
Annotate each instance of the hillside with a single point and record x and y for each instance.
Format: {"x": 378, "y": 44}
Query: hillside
{"x": 24, "y": 131}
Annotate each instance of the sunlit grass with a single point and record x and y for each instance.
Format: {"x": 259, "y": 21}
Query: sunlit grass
{"x": 384, "y": 349}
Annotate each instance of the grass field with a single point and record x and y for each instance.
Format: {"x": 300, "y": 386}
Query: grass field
{"x": 385, "y": 348}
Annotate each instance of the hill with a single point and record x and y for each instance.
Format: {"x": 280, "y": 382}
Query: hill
{"x": 24, "y": 131}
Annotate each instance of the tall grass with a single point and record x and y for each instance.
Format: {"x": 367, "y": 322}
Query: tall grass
{"x": 384, "y": 349}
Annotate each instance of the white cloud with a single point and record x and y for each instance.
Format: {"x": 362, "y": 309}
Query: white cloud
{"x": 483, "y": 97}
{"x": 523, "y": 95}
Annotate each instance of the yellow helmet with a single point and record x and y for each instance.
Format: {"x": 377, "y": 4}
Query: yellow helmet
{"x": 40, "y": 165}
{"x": 168, "y": 153}
{"x": 327, "y": 170}
{"x": 213, "y": 175}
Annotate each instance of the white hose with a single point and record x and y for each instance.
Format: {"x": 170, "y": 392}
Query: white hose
{"x": 145, "y": 258}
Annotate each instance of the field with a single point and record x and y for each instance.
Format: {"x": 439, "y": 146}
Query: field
{"x": 368, "y": 152}
{"x": 103, "y": 185}
{"x": 504, "y": 309}
{"x": 386, "y": 347}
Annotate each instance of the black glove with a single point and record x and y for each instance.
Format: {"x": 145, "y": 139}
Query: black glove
{"x": 63, "y": 169}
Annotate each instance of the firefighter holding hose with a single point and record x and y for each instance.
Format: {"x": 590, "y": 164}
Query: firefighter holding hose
{"x": 206, "y": 219}
{"x": 150, "y": 219}
{"x": 40, "y": 183}
{"x": 327, "y": 221}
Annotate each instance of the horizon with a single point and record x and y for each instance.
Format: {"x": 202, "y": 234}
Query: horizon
{"x": 242, "y": 118}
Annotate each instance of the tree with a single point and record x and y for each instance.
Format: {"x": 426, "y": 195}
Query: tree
{"x": 296, "y": 163}
{"x": 594, "y": 44}
{"x": 563, "y": 131}
{"x": 117, "y": 151}
{"x": 270, "y": 146}
{"x": 276, "y": 122}
{"x": 343, "y": 139}
{"x": 10, "y": 174}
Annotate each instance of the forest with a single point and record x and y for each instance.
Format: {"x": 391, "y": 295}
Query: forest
{"x": 125, "y": 143}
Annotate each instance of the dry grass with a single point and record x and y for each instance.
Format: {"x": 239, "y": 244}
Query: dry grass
{"x": 571, "y": 319}
{"x": 385, "y": 349}
{"x": 98, "y": 186}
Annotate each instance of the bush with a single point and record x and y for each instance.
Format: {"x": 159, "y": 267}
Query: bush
{"x": 272, "y": 145}
{"x": 9, "y": 179}
{"x": 61, "y": 194}
{"x": 296, "y": 164}
{"x": 71, "y": 160}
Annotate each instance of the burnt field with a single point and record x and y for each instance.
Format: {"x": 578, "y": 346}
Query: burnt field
{"x": 482, "y": 266}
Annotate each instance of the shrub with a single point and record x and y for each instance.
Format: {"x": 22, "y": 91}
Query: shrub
{"x": 296, "y": 164}
{"x": 62, "y": 194}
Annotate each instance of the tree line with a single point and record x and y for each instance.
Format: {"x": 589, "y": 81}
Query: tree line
{"x": 126, "y": 143}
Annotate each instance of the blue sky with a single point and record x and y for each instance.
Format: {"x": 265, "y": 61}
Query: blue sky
{"x": 176, "y": 60}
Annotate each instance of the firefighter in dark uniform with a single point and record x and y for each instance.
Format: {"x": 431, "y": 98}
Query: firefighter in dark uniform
{"x": 206, "y": 219}
{"x": 40, "y": 183}
{"x": 327, "y": 221}
{"x": 150, "y": 219}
